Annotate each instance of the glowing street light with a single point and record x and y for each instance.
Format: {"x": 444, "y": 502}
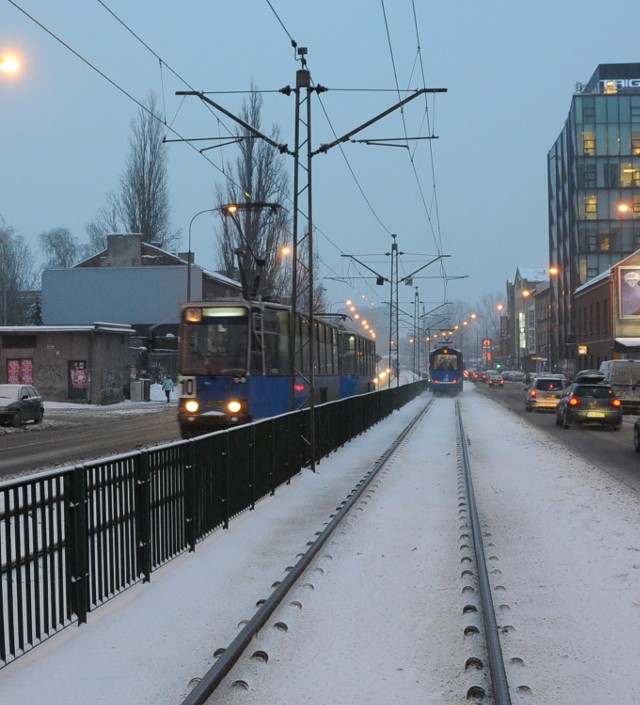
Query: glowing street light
{"x": 9, "y": 64}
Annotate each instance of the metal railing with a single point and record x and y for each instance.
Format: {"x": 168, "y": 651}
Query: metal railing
{"x": 71, "y": 539}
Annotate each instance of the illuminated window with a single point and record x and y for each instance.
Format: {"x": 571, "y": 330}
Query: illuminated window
{"x": 626, "y": 174}
{"x": 589, "y": 143}
{"x": 635, "y": 143}
{"x": 591, "y": 207}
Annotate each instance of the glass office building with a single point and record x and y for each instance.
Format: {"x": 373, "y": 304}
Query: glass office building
{"x": 594, "y": 193}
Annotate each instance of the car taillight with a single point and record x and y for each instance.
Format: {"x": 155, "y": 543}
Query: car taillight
{"x": 533, "y": 392}
{"x": 574, "y": 401}
{"x": 616, "y": 402}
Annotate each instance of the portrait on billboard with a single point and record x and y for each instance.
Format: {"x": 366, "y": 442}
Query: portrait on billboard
{"x": 629, "y": 292}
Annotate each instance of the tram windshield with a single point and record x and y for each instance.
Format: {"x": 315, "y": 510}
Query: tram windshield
{"x": 216, "y": 342}
{"x": 445, "y": 362}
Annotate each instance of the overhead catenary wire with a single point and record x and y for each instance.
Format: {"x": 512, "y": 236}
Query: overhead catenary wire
{"x": 164, "y": 65}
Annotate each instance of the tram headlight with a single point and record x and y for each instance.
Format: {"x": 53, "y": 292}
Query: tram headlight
{"x": 234, "y": 406}
{"x": 191, "y": 405}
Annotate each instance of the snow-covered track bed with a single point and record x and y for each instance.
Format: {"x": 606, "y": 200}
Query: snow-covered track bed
{"x": 297, "y": 577}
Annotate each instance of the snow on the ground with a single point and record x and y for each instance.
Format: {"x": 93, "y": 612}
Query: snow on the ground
{"x": 563, "y": 534}
{"x": 156, "y": 398}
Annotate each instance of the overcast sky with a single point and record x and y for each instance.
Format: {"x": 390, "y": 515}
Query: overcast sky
{"x": 477, "y": 193}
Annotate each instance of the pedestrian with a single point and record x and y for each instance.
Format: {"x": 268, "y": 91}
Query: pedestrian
{"x": 167, "y": 385}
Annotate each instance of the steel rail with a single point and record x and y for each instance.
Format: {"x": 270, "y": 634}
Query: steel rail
{"x": 214, "y": 676}
{"x": 497, "y": 671}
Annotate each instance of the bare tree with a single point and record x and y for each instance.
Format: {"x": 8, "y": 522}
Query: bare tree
{"x": 142, "y": 205}
{"x": 252, "y": 238}
{"x": 106, "y": 221}
{"x": 16, "y": 276}
{"x": 60, "y": 248}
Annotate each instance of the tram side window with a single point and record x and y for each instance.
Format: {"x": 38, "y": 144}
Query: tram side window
{"x": 303, "y": 347}
{"x": 348, "y": 354}
{"x": 332, "y": 351}
{"x": 366, "y": 357}
{"x": 276, "y": 342}
{"x": 322, "y": 349}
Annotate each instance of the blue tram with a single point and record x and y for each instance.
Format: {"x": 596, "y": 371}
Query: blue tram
{"x": 446, "y": 368}
{"x": 235, "y": 366}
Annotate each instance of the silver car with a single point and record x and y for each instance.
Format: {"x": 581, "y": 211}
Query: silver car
{"x": 543, "y": 393}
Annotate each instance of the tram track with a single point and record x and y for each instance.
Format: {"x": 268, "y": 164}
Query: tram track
{"x": 475, "y": 565}
{"x": 481, "y": 655}
{"x": 228, "y": 657}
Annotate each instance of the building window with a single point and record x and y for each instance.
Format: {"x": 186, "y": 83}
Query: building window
{"x": 588, "y": 111}
{"x": 587, "y": 175}
{"x": 628, "y": 174}
{"x": 592, "y": 272}
{"x": 610, "y": 175}
{"x": 635, "y": 142}
{"x": 591, "y": 207}
{"x": 589, "y": 143}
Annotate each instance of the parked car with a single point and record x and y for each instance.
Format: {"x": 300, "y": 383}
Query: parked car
{"x": 587, "y": 401}
{"x": 636, "y": 435}
{"x": 543, "y": 393}
{"x": 517, "y": 376}
{"x": 20, "y": 403}
{"x": 494, "y": 379}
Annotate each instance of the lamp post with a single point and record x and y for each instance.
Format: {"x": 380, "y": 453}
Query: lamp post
{"x": 553, "y": 272}
{"x": 190, "y": 256}
{"x": 3, "y": 274}
{"x": 522, "y": 327}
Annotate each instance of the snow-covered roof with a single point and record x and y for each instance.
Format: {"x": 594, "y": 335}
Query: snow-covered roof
{"x": 533, "y": 274}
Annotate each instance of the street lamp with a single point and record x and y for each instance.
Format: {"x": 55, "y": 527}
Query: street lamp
{"x": 189, "y": 256}
{"x": 245, "y": 250}
{"x": 9, "y": 64}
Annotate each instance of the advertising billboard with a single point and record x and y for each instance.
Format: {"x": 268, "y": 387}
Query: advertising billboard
{"x": 629, "y": 292}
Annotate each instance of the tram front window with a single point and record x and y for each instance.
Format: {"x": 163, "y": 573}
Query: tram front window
{"x": 445, "y": 362}
{"x": 218, "y": 344}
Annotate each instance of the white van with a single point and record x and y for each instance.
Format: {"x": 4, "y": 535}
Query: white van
{"x": 624, "y": 377}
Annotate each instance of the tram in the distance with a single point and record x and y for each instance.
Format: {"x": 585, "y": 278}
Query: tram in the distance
{"x": 446, "y": 368}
